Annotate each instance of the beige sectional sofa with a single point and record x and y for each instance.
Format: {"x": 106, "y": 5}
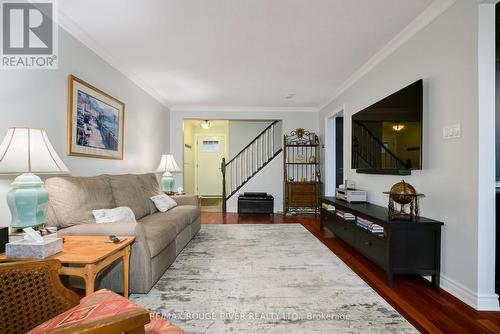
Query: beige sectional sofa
{"x": 160, "y": 237}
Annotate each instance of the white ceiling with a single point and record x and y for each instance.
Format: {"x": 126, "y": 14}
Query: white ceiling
{"x": 239, "y": 52}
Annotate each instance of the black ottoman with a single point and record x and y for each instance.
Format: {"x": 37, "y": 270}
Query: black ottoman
{"x": 255, "y": 203}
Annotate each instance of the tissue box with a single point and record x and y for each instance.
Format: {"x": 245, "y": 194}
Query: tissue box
{"x": 25, "y": 249}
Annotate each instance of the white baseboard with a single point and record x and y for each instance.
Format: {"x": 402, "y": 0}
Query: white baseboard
{"x": 480, "y": 302}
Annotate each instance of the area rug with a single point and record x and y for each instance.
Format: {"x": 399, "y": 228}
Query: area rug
{"x": 267, "y": 279}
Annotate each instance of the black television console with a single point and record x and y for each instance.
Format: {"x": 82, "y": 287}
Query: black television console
{"x": 405, "y": 247}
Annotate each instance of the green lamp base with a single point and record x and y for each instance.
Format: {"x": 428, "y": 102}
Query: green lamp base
{"x": 27, "y": 200}
{"x": 167, "y": 182}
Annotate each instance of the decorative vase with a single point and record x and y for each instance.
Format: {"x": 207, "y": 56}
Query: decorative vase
{"x": 27, "y": 200}
{"x": 167, "y": 182}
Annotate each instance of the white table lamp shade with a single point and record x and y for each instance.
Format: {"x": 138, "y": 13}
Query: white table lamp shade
{"x": 168, "y": 164}
{"x": 26, "y": 150}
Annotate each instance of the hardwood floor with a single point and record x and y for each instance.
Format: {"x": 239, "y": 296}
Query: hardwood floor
{"x": 429, "y": 310}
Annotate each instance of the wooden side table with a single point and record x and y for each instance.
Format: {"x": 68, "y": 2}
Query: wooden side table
{"x": 87, "y": 256}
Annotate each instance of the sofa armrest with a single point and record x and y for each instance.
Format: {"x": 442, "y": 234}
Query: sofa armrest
{"x": 185, "y": 199}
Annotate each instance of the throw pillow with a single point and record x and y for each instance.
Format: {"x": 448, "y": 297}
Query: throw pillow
{"x": 121, "y": 214}
{"x": 164, "y": 202}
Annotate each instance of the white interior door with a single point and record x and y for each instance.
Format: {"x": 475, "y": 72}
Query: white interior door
{"x": 210, "y": 150}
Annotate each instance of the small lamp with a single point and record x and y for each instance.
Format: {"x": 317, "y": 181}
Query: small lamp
{"x": 167, "y": 166}
{"x": 206, "y": 124}
{"x": 398, "y": 126}
{"x": 28, "y": 151}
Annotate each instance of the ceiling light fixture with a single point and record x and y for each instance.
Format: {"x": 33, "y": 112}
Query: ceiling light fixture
{"x": 398, "y": 126}
{"x": 206, "y": 124}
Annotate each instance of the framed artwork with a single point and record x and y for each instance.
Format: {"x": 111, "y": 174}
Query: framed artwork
{"x": 95, "y": 122}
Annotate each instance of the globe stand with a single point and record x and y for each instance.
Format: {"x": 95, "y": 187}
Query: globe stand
{"x": 404, "y": 195}
{"x": 400, "y": 213}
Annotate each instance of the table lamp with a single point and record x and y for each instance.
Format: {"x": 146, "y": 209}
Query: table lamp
{"x": 167, "y": 166}
{"x": 28, "y": 151}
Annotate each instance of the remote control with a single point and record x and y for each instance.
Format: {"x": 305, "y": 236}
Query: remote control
{"x": 114, "y": 239}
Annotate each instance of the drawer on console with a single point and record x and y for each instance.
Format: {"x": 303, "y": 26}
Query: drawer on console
{"x": 372, "y": 246}
{"x": 345, "y": 231}
{"x": 305, "y": 199}
{"x": 325, "y": 215}
{"x": 303, "y": 188}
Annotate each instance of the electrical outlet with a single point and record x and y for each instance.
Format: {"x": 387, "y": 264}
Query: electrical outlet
{"x": 452, "y": 131}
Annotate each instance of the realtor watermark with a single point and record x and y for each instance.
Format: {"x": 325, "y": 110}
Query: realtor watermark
{"x": 29, "y": 34}
{"x": 265, "y": 316}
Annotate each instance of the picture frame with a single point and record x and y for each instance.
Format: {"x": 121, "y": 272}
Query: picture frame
{"x": 95, "y": 122}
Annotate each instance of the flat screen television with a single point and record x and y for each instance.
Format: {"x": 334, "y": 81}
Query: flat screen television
{"x": 387, "y": 136}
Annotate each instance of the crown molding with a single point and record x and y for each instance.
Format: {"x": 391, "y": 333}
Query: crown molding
{"x": 77, "y": 32}
{"x": 194, "y": 108}
{"x": 421, "y": 21}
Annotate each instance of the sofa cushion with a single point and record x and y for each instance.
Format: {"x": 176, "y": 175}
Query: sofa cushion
{"x": 128, "y": 191}
{"x": 182, "y": 216}
{"x": 163, "y": 202}
{"x": 120, "y": 214}
{"x": 159, "y": 232}
{"x": 72, "y": 199}
{"x": 150, "y": 187}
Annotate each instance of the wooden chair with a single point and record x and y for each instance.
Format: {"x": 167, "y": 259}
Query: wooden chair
{"x": 32, "y": 294}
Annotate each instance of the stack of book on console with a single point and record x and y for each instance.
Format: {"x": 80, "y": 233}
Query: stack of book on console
{"x": 328, "y": 207}
{"x": 368, "y": 225}
{"x": 345, "y": 215}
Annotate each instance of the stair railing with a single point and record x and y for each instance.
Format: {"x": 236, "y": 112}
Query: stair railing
{"x": 251, "y": 159}
{"x": 368, "y": 149}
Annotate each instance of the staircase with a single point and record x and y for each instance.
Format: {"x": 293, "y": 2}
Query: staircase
{"x": 250, "y": 160}
{"x": 369, "y": 152}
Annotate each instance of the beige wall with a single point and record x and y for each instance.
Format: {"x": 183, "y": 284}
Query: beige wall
{"x": 189, "y": 162}
{"x": 192, "y": 129}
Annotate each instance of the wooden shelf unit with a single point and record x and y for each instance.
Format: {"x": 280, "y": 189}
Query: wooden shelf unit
{"x": 301, "y": 170}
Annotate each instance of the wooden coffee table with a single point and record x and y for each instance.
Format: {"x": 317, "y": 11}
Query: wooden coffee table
{"x": 87, "y": 256}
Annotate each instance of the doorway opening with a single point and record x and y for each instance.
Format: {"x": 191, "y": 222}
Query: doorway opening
{"x": 205, "y": 144}
{"x": 334, "y": 155}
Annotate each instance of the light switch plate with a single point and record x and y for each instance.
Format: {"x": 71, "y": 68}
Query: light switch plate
{"x": 452, "y": 131}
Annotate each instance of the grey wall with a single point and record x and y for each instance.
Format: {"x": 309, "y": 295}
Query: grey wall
{"x": 444, "y": 54}
{"x": 38, "y": 98}
{"x": 497, "y": 114}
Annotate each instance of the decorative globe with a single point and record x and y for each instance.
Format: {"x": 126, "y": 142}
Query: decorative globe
{"x": 402, "y": 193}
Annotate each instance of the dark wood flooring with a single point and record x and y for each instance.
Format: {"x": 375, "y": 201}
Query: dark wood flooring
{"x": 429, "y": 310}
